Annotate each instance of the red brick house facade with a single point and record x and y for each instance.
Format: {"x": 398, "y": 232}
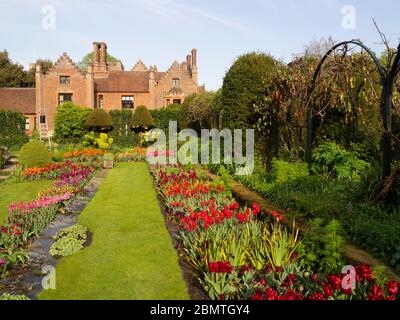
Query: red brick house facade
{"x": 102, "y": 85}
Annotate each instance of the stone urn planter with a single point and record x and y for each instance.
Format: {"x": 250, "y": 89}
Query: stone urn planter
{"x": 108, "y": 161}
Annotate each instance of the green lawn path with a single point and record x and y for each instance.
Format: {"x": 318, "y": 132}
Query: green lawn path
{"x": 11, "y": 191}
{"x": 131, "y": 256}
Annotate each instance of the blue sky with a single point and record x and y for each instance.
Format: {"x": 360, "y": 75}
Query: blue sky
{"x": 160, "y": 31}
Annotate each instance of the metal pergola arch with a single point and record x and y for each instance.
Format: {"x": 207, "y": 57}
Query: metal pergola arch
{"x": 388, "y": 79}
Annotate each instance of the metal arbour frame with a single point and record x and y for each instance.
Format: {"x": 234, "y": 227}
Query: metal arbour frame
{"x": 388, "y": 79}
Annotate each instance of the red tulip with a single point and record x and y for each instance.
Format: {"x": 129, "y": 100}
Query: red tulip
{"x": 335, "y": 282}
{"x": 392, "y": 288}
{"x": 327, "y": 290}
{"x": 376, "y": 293}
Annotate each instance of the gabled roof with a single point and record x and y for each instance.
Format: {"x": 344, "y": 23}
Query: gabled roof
{"x": 123, "y": 81}
{"x": 18, "y": 99}
{"x": 139, "y": 66}
{"x": 64, "y": 62}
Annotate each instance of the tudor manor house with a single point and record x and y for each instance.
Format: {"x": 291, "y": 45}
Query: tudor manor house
{"x": 103, "y": 85}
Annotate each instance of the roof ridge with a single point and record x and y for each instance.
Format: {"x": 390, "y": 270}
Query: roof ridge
{"x": 64, "y": 57}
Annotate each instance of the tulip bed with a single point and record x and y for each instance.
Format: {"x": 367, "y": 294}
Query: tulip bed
{"x": 27, "y": 219}
{"x": 242, "y": 253}
{"x": 133, "y": 155}
{"x": 86, "y": 155}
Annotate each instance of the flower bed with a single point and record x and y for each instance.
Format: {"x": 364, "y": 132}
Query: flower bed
{"x": 242, "y": 253}
{"x": 27, "y": 219}
{"x": 134, "y": 155}
{"x": 53, "y": 171}
{"x": 86, "y": 155}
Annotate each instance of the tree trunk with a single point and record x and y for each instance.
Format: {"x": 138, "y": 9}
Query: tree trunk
{"x": 386, "y": 191}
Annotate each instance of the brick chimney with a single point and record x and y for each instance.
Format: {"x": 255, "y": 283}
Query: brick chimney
{"x": 194, "y": 66}
{"x": 100, "y": 67}
{"x": 103, "y": 54}
{"x": 95, "y": 54}
{"x": 189, "y": 63}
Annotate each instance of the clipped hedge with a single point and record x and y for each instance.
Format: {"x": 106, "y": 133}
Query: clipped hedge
{"x": 33, "y": 154}
{"x": 163, "y": 116}
{"x": 142, "y": 120}
{"x": 122, "y": 132}
{"x": 99, "y": 120}
{"x": 12, "y": 128}
{"x": 244, "y": 86}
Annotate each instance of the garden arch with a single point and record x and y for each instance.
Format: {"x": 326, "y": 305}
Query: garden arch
{"x": 388, "y": 79}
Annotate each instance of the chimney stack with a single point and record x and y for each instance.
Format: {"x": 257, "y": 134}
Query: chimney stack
{"x": 194, "y": 57}
{"x": 95, "y": 54}
{"x": 189, "y": 63}
{"x": 100, "y": 67}
{"x": 194, "y": 66}
{"x": 103, "y": 53}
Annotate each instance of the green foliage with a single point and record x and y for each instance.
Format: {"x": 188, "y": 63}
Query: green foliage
{"x": 202, "y": 110}
{"x": 7, "y": 296}
{"x": 69, "y": 241}
{"x": 163, "y": 116}
{"x": 122, "y": 134}
{"x": 142, "y": 120}
{"x": 33, "y": 154}
{"x": 12, "y": 128}
{"x": 281, "y": 245}
{"x": 226, "y": 178}
{"x": 2, "y": 158}
{"x": 99, "y": 140}
{"x": 98, "y": 120}
{"x": 35, "y": 134}
{"x": 69, "y": 121}
{"x": 11, "y": 256}
{"x": 376, "y": 230}
{"x": 321, "y": 248}
{"x": 331, "y": 159}
{"x": 378, "y": 273}
{"x": 12, "y": 74}
{"x": 283, "y": 171}
{"x": 244, "y": 86}
{"x": 31, "y": 74}
{"x": 88, "y": 61}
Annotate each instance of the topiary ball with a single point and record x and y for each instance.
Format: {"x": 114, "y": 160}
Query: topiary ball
{"x": 98, "y": 120}
{"x": 33, "y": 154}
{"x": 142, "y": 119}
